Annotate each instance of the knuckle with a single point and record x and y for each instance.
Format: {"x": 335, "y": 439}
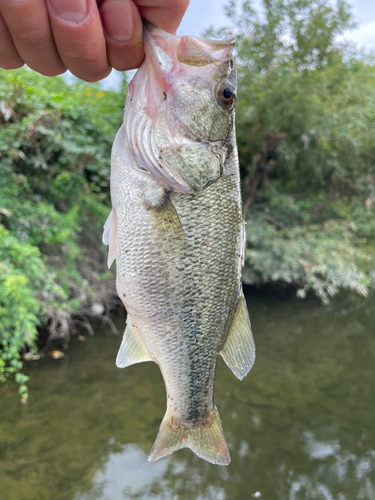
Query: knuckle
{"x": 85, "y": 54}
{"x": 87, "y": 62}
{"x": 38, "y": 38}
{"x": 90, "y": 59}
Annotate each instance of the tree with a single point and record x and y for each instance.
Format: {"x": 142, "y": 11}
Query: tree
{"x": 305, "y": 132}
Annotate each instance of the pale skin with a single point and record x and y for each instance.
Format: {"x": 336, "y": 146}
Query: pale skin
{"x": 87, "y": 37}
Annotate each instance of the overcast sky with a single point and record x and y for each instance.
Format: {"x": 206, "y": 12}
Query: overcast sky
{"x": 202, "y": 14}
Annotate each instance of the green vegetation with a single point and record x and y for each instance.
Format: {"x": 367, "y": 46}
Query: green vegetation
{"x": 55, "y": 143}
{"x": 305, "y": 123}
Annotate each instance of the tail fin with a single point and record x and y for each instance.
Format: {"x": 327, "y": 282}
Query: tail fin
{"x": 207, "y": 441}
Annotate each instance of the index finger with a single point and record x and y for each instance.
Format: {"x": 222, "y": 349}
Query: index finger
{"x": 123, "y": 26}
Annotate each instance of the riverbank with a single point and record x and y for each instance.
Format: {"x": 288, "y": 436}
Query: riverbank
{"x": 306, "y": 170}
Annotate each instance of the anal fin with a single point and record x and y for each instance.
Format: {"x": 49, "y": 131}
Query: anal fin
{"x": 239, "y": 349}
{"x": 132, "y": 349}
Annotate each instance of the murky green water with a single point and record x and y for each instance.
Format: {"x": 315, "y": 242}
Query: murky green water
{"x": 301, "y": 426}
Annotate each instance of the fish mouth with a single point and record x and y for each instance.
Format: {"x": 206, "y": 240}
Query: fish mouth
{"x": 189, "y": 50}
{"x": 199, "y": 52}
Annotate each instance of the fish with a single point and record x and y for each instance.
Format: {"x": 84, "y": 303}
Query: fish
{"x": 177, "y": 232}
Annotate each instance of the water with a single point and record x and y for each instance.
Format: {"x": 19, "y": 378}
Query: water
{"x": 301, "y": 426}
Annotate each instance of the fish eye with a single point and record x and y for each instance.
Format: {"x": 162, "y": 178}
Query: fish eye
{"x": 226, "y": 95}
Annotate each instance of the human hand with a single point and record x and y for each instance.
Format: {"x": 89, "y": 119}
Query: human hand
{"x": 88, "y": 37}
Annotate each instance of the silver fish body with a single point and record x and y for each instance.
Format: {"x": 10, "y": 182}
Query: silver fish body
{"x": 177, "y": 233}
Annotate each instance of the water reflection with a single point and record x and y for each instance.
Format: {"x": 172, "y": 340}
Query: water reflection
{"x": 301, "y": 426}
{"x": 123, "y": 471}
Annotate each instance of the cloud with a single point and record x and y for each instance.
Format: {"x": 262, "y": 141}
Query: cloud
{"x": 200, "y": 15}
{"x": 364, "y": 36}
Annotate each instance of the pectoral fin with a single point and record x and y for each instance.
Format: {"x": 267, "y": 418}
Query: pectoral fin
{"x": 132, "y": 349}
{"x": 110, "y": 236}
{"x": 167, "y": 229}
{"x": 239, "y": 348}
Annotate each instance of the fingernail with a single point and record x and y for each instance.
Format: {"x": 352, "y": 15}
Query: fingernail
{"x": 74, "y": 11}
{"x": 117, "y": 19}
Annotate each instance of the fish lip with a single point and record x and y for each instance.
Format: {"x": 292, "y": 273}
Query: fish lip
{"x": 223, "y": 42}
{"x": 206, "y": 44}
{"x": 228, "y": 40}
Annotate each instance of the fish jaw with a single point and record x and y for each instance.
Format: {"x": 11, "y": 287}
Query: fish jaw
{"x": 176, "y": 123}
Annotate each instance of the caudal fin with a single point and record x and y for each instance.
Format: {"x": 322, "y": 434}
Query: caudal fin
{"x": 207, "y": 441}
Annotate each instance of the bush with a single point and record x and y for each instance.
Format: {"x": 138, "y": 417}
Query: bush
{"x": 55, "y": 143}
{"x": 305, "y": 129}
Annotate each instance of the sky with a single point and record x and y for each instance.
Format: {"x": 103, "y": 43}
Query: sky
{"x": 202, "y": 14}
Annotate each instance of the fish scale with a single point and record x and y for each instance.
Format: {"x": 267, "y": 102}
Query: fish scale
{"x": 179, "y": 250}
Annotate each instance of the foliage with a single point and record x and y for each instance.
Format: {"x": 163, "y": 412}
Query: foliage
{"x": 22, "y": 272}
{"x": 305, "y": 127}
{"x": 321, "y": 258}
{"x": 55, "y": 142}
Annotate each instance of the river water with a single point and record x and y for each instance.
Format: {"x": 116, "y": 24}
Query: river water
{"x": 301, "y": 426}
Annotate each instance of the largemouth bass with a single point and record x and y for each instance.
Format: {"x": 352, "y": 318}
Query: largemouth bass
{"x": 177, "y": 232}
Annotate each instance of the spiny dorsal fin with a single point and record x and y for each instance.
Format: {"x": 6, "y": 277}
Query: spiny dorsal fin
{"x": 110, "y": 236}
{"x": 239, "y": 348}
{"x": 132, "y": 349}
{"x": 206, "y": 440}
